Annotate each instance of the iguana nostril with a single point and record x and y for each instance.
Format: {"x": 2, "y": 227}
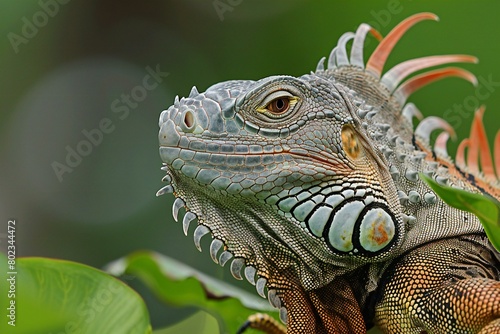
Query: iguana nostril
{"x": 189, "y": 121}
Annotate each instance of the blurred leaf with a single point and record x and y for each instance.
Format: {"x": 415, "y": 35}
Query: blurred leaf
{"x": 200, "y": 323}
{"x": 486, "y": 208}
{"x": 55, "y": 296}
{"x": 181, "y": 285}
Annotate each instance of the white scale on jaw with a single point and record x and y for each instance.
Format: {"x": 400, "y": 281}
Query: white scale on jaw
{"x": 343, "y": 219}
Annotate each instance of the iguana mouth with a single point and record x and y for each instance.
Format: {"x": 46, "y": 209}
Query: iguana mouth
{"x": 275, "y": 155}
{"x": 323, "y": 160}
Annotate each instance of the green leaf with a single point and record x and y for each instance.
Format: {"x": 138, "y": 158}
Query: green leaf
{"x": 181, "y": 285}
{"x": 199, "y": 323}
{"x": 56, "y": 296}
{"x": 486, "y": 208}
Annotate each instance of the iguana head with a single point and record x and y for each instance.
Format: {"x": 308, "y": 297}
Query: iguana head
{"x": 297, "y": 179}
{"x": 282, "y": 166}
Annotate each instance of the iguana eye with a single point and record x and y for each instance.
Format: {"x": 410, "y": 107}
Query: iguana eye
{"x": 279, "y": 105}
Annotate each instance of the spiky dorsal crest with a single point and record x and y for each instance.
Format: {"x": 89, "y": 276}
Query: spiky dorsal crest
{"x": 397, "y": 84}
{"x": 474, "y": 157}
{"x": 339, "y": 62}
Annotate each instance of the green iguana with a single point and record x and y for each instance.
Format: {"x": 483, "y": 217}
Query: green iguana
{"x": 310, "y": 186}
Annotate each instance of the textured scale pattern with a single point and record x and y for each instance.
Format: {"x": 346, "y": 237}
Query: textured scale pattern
{"x": 436, "y": 295}
{"x": 309, "y": 188}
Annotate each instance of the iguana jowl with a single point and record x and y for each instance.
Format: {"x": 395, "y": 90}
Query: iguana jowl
{"x": 310, "y": 187}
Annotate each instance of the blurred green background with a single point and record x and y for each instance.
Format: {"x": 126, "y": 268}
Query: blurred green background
{"x": 69, "y": 65}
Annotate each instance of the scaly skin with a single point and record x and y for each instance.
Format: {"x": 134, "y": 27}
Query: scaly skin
{"x": 311, "y": 186}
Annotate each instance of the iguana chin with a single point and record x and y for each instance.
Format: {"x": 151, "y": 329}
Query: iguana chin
{"x": 310, "y": 186}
